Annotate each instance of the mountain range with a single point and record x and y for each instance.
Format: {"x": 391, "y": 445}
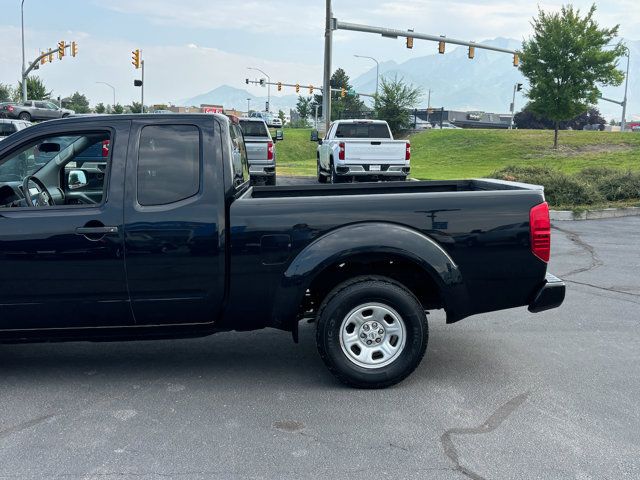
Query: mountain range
{"x": 456, "y": 82}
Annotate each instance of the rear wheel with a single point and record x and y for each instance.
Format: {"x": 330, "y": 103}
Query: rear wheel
{"x": 333, "y": 176}
{"x": 25, "y": 116}
{"x": 372, "y": 332}
{"x": 321, "y": 178}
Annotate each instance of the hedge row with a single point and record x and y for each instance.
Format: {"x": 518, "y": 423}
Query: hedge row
{"x": 590, "y": 186}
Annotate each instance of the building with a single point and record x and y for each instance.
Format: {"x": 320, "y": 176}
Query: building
{"x": 461, "y": 119}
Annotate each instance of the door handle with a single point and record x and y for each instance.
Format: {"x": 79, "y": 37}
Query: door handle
{"x": 96, "y": 230}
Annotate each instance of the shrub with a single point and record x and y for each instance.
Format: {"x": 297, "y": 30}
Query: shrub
{"x": 620, "y": 186}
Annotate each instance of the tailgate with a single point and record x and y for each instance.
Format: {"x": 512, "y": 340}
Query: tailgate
{"x": 372, "y": 150}
{"x": 256, "y": 149}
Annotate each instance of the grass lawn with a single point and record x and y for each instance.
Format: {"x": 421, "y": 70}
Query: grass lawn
{"x": 458, "y": 154}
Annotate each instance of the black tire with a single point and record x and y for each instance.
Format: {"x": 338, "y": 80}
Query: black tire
{"x": 321, "y": 178}
{"x": 350, "y": 296}
{"x": 333, "y": 176}
{"x": 25, "y": 116}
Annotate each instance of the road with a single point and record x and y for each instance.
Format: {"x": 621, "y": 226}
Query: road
{"x": 507, "y": 395}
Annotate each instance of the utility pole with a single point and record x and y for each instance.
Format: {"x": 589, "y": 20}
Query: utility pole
{"x": 24, "y": 66}
{"x": 623, "y": 124}
{"x": 315, "y": 121}
{"x": 142, "y": 88}
{"x": 516, "y": 88}
{"x": 326, "y": 84}
{"x": 248, "y": 106}
{"x": 428, "y": 105}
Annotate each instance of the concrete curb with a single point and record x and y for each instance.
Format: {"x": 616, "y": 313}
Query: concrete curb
{"x": 566, "y": 215}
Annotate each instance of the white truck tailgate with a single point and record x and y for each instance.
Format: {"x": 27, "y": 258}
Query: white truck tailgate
{"x": 375, "y": 151}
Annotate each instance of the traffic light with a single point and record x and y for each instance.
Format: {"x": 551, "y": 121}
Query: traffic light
{"x": 441, "y": 47}
{"x": 297, "y": 88}
{"x": 472, "y": 52}
{"x": 50, "y": 56}
{"x": 262, "y": 82}
{"x": 279, "y": 86}
{"x": 43, "y": 60}
{"x": 74, "y": 49}
{"x": 516, "y": 60}
{"x": 518, "y": 87}
{"x": 135, "y": 58}
{"x": 61, "y": 49}
{"x": 246, "y": 80}
{"x": 409, "y": 42}
{"x": 310, "y": 89}
{"x": 343, "y": 92}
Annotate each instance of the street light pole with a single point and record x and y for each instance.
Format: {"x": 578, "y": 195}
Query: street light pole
{"x": 24, "y": 67}
{"x": 377, "y": 69}
{"x": 248, "y": 106}
{"x": 326, "y": 82}
{"x": 623, "y": 124}
{"x": 268, "y": 86}
{"x": 112, "y": 88}
{"x": 513, "y": 106}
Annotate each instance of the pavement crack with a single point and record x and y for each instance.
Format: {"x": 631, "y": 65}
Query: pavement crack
{"x": 489, "y": 425}
{"x": 575, "y": 238}
{"x": 24, "y": 425}
{"x": 606, "y": 289}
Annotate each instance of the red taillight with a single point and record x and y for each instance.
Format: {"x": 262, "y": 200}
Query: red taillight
{"x": 270, "y": 151}
{"x": 105, "y": 148}
{"x": 540, "y": 226}
{"x": 341, "y": 152}
{"x": 407, "y": 154}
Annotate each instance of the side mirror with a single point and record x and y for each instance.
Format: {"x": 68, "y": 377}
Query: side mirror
{"x": 279, "y": 135}
{"x": 314, "y": 135}
{"x": 49, "y": 147}
{"x": 77, "y": 179}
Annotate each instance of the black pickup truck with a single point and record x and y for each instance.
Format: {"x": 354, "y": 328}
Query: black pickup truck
{"x": 172, "y": 241}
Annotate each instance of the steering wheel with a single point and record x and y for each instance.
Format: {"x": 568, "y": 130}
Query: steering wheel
{"x": 43, "y": 198}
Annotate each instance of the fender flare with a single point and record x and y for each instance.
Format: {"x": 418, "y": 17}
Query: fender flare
{"x": 370, "y": 237}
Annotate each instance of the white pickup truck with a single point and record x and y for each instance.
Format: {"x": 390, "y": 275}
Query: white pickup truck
{"x": 362, "y": 150}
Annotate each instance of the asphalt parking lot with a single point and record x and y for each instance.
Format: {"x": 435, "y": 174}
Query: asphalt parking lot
{"x": 508, "y": 395}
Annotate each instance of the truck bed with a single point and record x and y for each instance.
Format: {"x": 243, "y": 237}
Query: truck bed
{"x": 473, "y": 185}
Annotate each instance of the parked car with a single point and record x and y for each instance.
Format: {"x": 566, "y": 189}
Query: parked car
{"x": 448, "y": 126}
{"x": 9, "y": 127}
{"x": 261, "y": 150}
{"x": 361, "y": 149}
{"x": 272, "y": 121}
{"x": 34, "y": 110}
{"x": 185, "y": 247}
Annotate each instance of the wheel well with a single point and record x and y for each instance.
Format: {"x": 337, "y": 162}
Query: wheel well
{"x": 404, "y": 271}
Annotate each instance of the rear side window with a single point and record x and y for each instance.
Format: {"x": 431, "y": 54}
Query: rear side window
{"x": 362, "y": 130}
{"x": 168, "y": 164}
{"x": 254, "y": 129}
{"x": 239, "y": 159}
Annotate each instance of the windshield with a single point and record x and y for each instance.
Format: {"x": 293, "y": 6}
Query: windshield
{"x": 254, "y": 129}
{"x": 362, "y": 130}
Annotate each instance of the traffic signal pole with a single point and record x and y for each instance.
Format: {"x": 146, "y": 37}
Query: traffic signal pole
{"x": 326, "y": 83}
{"x": 142, "y": 88}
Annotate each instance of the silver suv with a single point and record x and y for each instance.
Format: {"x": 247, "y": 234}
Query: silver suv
{"x": 34, "y": 110}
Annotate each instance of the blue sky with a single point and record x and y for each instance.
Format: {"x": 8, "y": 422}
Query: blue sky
{"x": 192, "y": 46}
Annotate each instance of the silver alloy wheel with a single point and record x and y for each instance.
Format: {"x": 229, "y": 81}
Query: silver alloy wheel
{"x": 372, "y": 335}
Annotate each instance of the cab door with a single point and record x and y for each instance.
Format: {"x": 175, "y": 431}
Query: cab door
{"x": 174, "y": 221}
{"x": 62, "y": 266}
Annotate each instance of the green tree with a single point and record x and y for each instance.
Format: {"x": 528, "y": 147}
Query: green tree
{"x": 395, "y": 102}
{"x": 566, "y": 60}
{"x": 36, "y": 90}
{"x": 117, "y": 109}
{"x": 100, "y": 108}
{"x": 136, "y": 107}
{"x": 341, "y": 107}
{"x": 303, "y": 107}
{"x": 78, "y": 103}
{"x": 281, "y": 116}
{"x": 6, "y": 92}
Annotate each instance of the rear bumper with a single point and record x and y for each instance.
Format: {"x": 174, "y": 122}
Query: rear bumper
{"x": 551, "y": 295}
{"x": 266, "y": 170}
{"x": 363, "y": 170}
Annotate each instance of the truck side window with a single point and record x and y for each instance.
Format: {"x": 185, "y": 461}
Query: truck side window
{"x": 168, "y": 164}
{"x": 239, "y": 158}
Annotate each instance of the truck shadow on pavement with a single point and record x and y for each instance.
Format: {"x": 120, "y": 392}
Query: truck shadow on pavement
{"x": 266, "y": 357}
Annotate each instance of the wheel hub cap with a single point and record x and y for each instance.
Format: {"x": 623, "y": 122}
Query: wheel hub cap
{"x": 372, "y": 335}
